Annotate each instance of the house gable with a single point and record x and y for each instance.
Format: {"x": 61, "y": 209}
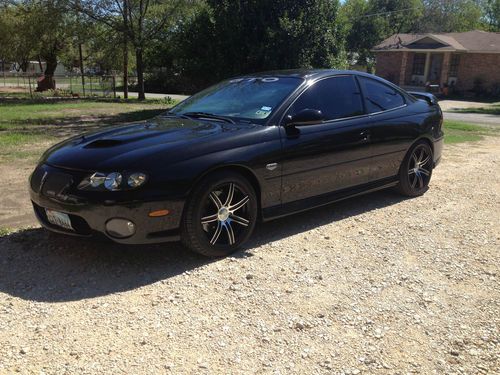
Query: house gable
{"x": 426, "y": 43}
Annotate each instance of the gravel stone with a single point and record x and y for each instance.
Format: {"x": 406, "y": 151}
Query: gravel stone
{"x": 373, "y": 285}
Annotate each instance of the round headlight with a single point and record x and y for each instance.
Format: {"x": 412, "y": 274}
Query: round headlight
{"x": 113, "y": 181}
{"x": 97, "y": 179}
{"x": 136, "y": 179}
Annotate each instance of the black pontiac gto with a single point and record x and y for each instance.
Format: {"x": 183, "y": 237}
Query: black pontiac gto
{"x": 251, "y": 148}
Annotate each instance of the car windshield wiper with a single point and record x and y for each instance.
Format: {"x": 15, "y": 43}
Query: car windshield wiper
{"x": 208, "y": 116}
{"x": 172, "y": 114}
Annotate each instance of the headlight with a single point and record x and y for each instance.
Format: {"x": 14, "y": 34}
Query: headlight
{"x": 113, "y": 181}
{"x": 97, "y": 179}
{"x": 136, "y": 179}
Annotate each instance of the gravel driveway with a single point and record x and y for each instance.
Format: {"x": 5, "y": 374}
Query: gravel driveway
{"x": 373, "y": 285}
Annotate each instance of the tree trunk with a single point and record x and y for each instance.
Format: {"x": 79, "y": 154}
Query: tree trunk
{"x": 140, "y": 73}
{"x": 40, "y": 63}
{"x": 48, "y": 82}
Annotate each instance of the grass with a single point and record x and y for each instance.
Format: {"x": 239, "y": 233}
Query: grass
{"x": 492, "y": 109}
{"x": 28, "y": 127}
{"x": 458, "y": 132}
{"x": 5, "y": 231}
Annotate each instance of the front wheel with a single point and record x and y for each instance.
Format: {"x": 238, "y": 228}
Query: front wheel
{"x": 416, "y": 170}
{"x": 220, "y": 215}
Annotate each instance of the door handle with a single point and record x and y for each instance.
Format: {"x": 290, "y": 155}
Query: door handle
{"x": 365, "y": 135}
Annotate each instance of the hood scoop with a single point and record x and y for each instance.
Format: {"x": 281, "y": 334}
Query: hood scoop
{"x": 104, "y": 143}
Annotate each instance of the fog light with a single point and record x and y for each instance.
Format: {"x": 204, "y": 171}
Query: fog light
{"x": 120, "y": 228}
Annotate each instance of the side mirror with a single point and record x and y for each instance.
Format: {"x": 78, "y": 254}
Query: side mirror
{"x": 304, "y": 117}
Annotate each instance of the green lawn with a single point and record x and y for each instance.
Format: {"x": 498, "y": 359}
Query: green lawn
{"x": 457, "y": 132}
{"x": 27, "y": 127}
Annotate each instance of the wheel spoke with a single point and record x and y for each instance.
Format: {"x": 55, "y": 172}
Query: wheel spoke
{"x": 426, "y": 160}
{"x": 420, "y": 181}
{"x": 239, "y": 205}
{"x": 216, "y": 200}
{"x": 411, "y": 171}
{"x": 425, "y": 172}
{"x": 422, "y": 155}
{"x": 230, "y": 195}
{"x": 209, "y": 219}
{"x": 415, "y": 159}
{"x": 414, "y": 182}
{"x": 217, "y": 233}
{"x": 240, "y": 220}
{"x": 230, "y": 233}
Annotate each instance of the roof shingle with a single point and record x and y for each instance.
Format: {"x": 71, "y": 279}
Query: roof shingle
{"x": 470, "y": 41}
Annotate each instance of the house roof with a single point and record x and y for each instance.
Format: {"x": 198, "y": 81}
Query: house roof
{"x": 470, "y": 41}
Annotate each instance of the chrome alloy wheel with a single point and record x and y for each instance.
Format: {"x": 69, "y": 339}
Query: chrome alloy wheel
{"x": 420, "y": 167}
{"x": 225, "y": 218}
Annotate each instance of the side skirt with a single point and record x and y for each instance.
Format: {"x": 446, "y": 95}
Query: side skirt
{"x": 276, "y": 212}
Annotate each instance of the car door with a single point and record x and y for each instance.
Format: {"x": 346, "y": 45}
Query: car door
{"x": 392, "y": 130}
{"x": 330, "y": 155}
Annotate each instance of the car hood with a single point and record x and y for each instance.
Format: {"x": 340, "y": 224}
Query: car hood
{"x": 123, "y": 147}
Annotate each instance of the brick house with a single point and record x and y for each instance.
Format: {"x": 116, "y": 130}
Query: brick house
{"x": 458, "y": 60}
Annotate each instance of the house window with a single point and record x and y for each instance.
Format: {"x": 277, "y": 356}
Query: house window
{"x": 454, "y": 62}
{"x": 418, "y": 64}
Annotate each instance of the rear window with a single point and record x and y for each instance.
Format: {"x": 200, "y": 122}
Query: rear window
{"x": 379, "y": 96}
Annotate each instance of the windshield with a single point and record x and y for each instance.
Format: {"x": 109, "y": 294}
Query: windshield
{"x": 251, "y": 98}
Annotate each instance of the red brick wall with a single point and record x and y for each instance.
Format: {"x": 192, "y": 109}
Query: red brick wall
{"x": 472, "y": 65}
{"x": 389, "y": 65}
{"x": 409, "y": 68}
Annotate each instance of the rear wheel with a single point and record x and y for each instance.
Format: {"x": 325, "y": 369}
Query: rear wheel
{"x": 416, "y": 170}
{"x": 220, "y": 215}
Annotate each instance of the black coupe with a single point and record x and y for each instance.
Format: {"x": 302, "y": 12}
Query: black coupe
{"x": 251, "y": 148}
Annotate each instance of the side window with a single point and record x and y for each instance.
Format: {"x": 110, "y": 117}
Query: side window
{"x": 336, "y": 98}
{"x": 380, "y": 97}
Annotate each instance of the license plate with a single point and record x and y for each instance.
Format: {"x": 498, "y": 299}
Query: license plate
{"x": 58, "y": 218}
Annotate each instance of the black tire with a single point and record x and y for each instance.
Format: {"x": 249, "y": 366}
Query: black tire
{"x": 416, "y": 170}
{"x": 210, "y": 202}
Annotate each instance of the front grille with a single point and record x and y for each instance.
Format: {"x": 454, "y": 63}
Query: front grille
{"x": 78, "y": 223}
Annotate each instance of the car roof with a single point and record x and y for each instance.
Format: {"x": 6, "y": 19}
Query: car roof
{"x": 308, "y": 73}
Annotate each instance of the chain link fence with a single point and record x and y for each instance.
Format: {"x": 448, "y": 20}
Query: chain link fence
{"x": 67, "y": 85}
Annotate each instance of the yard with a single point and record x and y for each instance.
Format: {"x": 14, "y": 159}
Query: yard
{"x": 28, "y": 127}
{"x": 377, "y": 284}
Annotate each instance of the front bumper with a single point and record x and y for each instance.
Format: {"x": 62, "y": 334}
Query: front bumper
{"x": 90, "y": 218}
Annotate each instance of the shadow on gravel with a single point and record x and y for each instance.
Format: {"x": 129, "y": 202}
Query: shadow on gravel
{"x": 41, "y": 266}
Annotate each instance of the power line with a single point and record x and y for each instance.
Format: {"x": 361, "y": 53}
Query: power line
{"x": 388, "y": 12}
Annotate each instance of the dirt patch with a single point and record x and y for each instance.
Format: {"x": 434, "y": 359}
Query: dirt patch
{"x": 13, "y": 90}
{"x": 377, "y": 284}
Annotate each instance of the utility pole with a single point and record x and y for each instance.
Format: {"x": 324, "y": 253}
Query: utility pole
{"x": 81, "y": 66}
{"x": 125, "y": 50}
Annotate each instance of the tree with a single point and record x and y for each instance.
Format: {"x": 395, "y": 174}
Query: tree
{"x": 229, "y": 38}
{"x": 370, "y": 22}
{"x": 450, "y": 16}
{"x": 491, "y": 14}
{"x": 139, "y": 21}
{"x": 39, "y": 30}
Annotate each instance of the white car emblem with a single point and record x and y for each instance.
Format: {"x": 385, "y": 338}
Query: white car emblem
{"x": 271, "y": 166}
